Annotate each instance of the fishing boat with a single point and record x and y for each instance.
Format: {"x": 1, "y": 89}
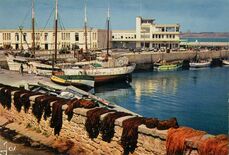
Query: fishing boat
{"x": 82, "y": 82}
{"x": 106, "y": 69}
{"x": 27, "y": 59}
{"x": 200, "y": 64}
{"x": 167, "y": 67}
{"x": 225, "y": 62}
{"x": 15, "y": 62}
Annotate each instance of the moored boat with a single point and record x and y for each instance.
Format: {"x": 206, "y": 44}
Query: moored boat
{"x": 30, "y": 65}
{"x": 199, "y": 64}
{"x": 103, "y": 74}
{"x": 225, "y": 62}
{"x": 167, "y": 67}
{"x": 15, "y": 62}
{"x": 79, "y": 81}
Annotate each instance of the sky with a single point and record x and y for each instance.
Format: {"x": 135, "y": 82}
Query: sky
{"x": 192, "y": 15}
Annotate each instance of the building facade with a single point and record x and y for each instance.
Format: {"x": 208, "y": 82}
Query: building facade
{"x": 147, "y": 34}
{"x": 44, "y": 39}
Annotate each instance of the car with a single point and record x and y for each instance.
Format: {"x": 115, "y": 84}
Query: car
{"x": 64, "y": 51}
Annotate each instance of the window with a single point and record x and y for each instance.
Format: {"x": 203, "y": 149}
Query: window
{"x": 76, "y": 36}
{"x": 24, "y": 36}
{"x": 37, "y": 36}
{"x": 17, "y": 37}
{"x": 177, "y": 29}
{"x": 46, "y": 36}
{"x": 163, "y": 29}
{"x": 170, "y": 29}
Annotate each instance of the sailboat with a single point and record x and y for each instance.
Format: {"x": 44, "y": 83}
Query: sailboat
{"x": 29, "y": 64}
{"x": 109, "y": 69}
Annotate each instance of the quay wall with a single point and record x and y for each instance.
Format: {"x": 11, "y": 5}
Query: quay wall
{"x": 73, "y": 138}
{"x": 152, "y": 57}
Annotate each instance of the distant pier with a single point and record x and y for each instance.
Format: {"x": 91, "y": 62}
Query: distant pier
{"x": 205, "y": 44}
{"x": 144, "y": 60}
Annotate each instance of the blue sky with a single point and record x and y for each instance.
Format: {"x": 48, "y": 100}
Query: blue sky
{"x": 193, "y": 15}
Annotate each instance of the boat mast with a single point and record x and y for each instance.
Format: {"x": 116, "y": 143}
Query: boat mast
{"x": 20, "y": 28}
{"x": 85, "y": 25}
{"x": 108, "y": 31}
{"x": 56, "y": 27}
{"x": 33, "y": 29}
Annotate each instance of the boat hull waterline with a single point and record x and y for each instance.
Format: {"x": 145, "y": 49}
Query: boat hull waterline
{"x": 199, "y": 64}
{"x": 169, "y": 67}
{"x": 102, "y": 75}
{"x": 77, "y": 82}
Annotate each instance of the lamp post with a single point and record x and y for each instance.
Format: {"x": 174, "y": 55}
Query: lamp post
{"x": 20, "y": 28}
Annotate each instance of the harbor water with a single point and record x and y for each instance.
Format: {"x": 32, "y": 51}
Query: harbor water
{"x": 206, "y": 39}
{"x": 197, "y": 98}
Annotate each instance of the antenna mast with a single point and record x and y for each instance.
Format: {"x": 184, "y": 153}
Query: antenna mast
{"x": 56, "y": 27}
{"x": 108, "y": 31}
{"x": 85, "y": 24}
{"x": 33, "y": 29}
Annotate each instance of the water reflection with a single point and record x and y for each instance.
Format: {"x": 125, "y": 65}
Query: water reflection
{"x": 198, "y": 98}
{"x": 153, "y": 83}
{"x": 114, "y": 92}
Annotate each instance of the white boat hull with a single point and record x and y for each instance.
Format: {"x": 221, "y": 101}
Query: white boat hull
{"x": 15, "y": 62}
{"x": 225, "y": 62}
{"x": 199, "y": 64}
{"x": 102, "y": 74}
{"x": 100, "y": 71}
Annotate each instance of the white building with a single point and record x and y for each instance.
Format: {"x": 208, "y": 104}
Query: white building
{"x": 44, "y": 39}
{"x": 147, "y": 34}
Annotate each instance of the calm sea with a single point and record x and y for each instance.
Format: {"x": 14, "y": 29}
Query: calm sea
{"x": 197, "y": 98}
{"x": 206, "y": 39}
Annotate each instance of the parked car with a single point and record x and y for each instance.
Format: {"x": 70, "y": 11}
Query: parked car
{"x": 64, "y": 51}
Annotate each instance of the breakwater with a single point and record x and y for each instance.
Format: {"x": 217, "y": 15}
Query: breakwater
{"x": 74, "y": 136}
{"x": 145, "y": 60}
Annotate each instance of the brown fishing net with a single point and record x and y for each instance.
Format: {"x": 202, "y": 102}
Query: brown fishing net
{"x": 57, "y": 116}
{"x": 93, "y": 121}
{"x": 175, "y": 142}
{"x": 151, "y": 122}
{"x": 166, "y": 124}
{"x": 218, "y": 145}
{"x": 42, "y": 106}
{"x": 130, "y": 133}
{"x": 17, "y": 99}
{"x": 5, "y": 95}
{"x": 108, "y": 123}
{"x": 88, "y": 104}
{"x": 75, "y": 103}
{"x": 24, "y": 99}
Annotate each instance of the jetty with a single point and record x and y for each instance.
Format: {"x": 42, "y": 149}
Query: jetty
{"x": 145, "y": 59}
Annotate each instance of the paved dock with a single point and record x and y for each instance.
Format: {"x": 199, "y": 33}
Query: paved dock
{"x": 14, "y": 78}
